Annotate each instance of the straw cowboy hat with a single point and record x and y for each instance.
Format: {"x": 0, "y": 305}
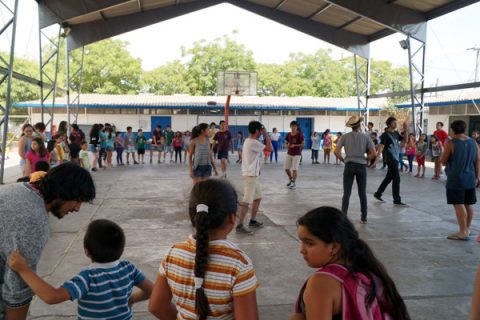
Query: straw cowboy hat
{"x": 354, "y": 121}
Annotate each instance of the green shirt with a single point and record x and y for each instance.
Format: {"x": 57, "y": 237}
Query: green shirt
{"x": 141, "y": 140}
{"x": 169, "y": 137}
{"x": 84, "y": 159}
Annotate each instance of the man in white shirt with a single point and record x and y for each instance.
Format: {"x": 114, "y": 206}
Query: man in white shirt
{"x": 252, "y": 195}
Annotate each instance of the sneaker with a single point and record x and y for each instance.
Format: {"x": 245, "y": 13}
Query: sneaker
{"x": 94, "y": 169}
{"x": 289, "y": 184}
{"x": 293, "y": 186}
{"x": 379, "y": 198}
{"x": 135, "y": 162}
{"x": 255, "y": 224}
{"x": 400, "y": 204}
{"x": 241, "y": 229}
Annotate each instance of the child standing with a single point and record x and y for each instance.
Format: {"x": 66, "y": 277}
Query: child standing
{"x": 217, "y": 277}
{"x": 119, "y": 148}
{"x": 436, "y": 151}
{"x": 140, "y": 141}
{"x": 337, "y": 139}
{"x": 37, "y": 152}
{"x": 83, "y": 156}
{"x": 349, "y": 281}
{"x": 401, "y": 155}
{"x": 315, "y": 146}
{"x": 410, "y": 152}
{"x": 102, "y": 155}
{"x": 327, "y": 145}
{"x": 177, "y": 145}
{"x": 421, "y": 155}
{"x": 53, "y": 156}
{"x": 200, "y": 155}
{"x": 239, "y": 146}
{"x": 130, "y": 143}
{"x": 109, "y": 145}
{"x": 104, "y": 289}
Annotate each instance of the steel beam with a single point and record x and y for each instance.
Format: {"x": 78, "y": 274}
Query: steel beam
{"x": 71, "y": 78}
{"x": 362, "y": 81}
{"x": 51, "y": 52}
{"x": 5, "y": 110}
{"x": 416, "y": 99}
{"x": 452, "y": 87}
{"x": 392, "y": 16}
{"x": 319, "y": 11}
{"x": 25, "y": 78}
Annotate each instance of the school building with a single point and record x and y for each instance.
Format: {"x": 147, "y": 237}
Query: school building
{"x": 447, "y": 107}
{"x": 183, "y": 112}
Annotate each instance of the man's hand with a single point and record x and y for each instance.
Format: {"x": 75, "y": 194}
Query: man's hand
{"x": 17, "y": 262}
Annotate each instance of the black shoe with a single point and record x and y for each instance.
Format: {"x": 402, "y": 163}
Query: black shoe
{"x": 94, "y": 169}
{"x": 379, "y": 198}
{"x": 401, "y": 204}
{"x": 255, "y": 224}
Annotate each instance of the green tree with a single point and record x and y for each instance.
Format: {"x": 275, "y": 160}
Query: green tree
{"x": 205, "y": 59}
{"x": 166, "y": 80}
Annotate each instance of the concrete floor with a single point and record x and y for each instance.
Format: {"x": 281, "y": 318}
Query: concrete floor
{"x": 434, "y": 275}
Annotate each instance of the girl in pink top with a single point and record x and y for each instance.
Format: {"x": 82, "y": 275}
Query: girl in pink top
{"x": 37, "y": 152}
{"x": 411, "y": 151}
{"x": 350, "y": 283}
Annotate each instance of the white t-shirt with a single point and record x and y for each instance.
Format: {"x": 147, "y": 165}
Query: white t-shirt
{"x": 252, "y": 150}
{"x": 275, "y": 136}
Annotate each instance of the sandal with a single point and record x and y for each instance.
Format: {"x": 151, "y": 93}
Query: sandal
{"x": 457, "y": 237}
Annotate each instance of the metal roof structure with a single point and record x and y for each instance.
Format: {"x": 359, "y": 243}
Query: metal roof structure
{"x": 349, "y": 24}
{"x": 207, "y": 102}
{"x": 470, "y": 96}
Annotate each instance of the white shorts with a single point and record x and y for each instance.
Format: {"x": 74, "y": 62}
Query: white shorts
{"x": 292, "y": 162}
{"x": 252, "y": 189}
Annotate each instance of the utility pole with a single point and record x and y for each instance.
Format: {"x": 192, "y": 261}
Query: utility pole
{"x": 477, "y": 63}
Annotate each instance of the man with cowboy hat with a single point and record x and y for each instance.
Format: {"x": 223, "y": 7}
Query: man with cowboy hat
{"x": 356, "y": 144}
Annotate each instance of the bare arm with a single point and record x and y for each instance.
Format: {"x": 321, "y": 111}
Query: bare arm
{"x": 160, "y": 304}
{"x": 143, "y": 294}
{"x": 372, "y": 154}
{"x": 322, "y": 297}
{"x": 475, "y": 311}
{"x": 191, "y": 151}
{"x": 245, "y": 307}
{"x": 268, "y": 141}
{"x": 41, "y": 288}
{"x": 21, "y": 148}
{"x": 446, "y": 153}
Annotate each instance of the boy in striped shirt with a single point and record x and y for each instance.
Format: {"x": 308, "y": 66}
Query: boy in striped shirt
{"x": 104, "y": 289}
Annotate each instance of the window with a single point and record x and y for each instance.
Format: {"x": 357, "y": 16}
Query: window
{"x": 459, "y": 109}
{"x": 95, "y": 110}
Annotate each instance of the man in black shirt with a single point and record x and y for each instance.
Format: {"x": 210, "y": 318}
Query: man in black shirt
{"x": 389, "y": 145}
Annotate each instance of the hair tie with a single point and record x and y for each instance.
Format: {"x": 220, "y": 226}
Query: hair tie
{"x": 198, "y": 282}
{"x": 202, "y": 208}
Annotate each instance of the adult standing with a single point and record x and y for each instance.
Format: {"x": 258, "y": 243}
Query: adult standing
{"x": 24, "y": 225}
{"x": 252, "y": 190}
{"x": 212, "y": 131}
{"x": 462, "y": 161}
{"x": 294, "y": 142}
{"x": 156, "y": 145}
{"x": 24, "y": 145}
{"x": 223, "y": 141}
{"x": 77, "y": 136}
{"x": 389, "y": 142}
{"x": 356, "y": 145}
{"x": 275, "y": 138}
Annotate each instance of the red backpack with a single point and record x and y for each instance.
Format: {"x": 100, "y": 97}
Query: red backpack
{"x": 354, "y": 290}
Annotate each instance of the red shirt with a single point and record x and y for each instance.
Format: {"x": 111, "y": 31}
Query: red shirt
{"x": 441, "y": 135}
{"x": 224, "y": 139}
{"x": 294, "y": 139}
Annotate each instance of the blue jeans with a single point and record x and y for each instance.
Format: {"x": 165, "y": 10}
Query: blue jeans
{"x": 402, "y": 163}
{"x": 410, "y": 162}
{"x": 275, "y": 150}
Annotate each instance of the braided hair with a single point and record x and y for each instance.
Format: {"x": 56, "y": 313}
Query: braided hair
{"x": 211, "y": 203}
{"x": 331, "y": 225}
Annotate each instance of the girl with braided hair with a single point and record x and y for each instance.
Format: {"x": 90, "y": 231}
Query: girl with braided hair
{"x": 350, "y": 283}
{"x": 207, "y": 277}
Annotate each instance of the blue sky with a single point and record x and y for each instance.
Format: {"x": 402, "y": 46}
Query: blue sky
{"x": 448, "y": 38}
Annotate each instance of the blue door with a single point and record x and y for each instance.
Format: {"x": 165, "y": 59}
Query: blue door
{"x": 235, "y": 129}
{"x": 164, "y": 121}
{"x": 305, "y": 125}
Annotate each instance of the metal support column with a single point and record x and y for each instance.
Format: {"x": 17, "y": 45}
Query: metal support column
{"x": 12, "y": 11}
{"x": 417, "y": 83}
{"x": 49, "y": 53}
{"x": 74, "y": 83}
{"x": 362, "y": 80}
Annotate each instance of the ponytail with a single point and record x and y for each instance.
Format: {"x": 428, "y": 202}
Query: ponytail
{"x": 201, "y": 261}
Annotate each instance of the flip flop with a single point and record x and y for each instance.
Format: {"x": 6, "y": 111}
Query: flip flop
{"x": 457, "y": 237}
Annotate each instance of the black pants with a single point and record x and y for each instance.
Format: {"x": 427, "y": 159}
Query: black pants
{"x": 102, "y": 155}
{"x": 359, "y": 172}
{"x": 178, "y": 153}
{"x": 394, "y": 177}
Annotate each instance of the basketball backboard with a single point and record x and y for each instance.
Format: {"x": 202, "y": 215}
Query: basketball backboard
{"x": 236, "y": 83}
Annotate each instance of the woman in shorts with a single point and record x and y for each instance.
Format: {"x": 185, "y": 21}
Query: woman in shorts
{"x": 200, "y": 158}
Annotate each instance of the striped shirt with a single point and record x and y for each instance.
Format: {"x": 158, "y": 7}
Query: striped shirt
{"x": 103, "y": 290}
{"x": 229, "y": 274}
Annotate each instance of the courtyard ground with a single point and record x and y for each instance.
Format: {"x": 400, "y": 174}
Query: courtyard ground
{"x": 434, "y": 275}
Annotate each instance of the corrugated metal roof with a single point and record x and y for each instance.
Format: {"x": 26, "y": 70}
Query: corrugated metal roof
{"x": 449, "y": 98}
{"x": 179, "y": 101}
